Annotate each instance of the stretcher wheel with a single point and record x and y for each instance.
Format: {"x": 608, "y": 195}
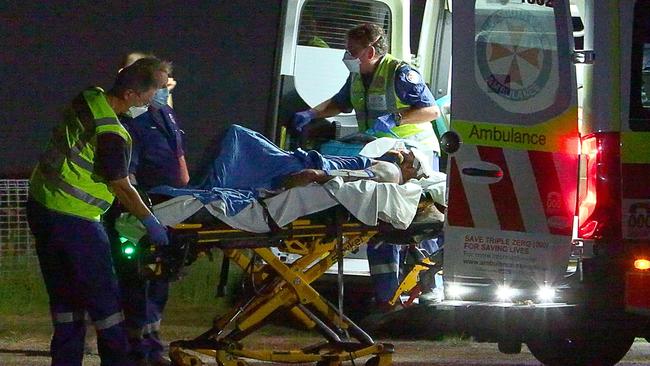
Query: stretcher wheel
{"x": 374, "y": 361}
{"x": 180, "y": 358}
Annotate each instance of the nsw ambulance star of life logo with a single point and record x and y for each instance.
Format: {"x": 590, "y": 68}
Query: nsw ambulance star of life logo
{"x": 515, "y": 59}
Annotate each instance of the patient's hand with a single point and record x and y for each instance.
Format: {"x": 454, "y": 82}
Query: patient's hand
{"x": 394, "y": 156}
{"x": 305, "y": 177}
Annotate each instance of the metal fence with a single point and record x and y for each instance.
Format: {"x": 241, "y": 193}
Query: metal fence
{"x": 17, "y": 251}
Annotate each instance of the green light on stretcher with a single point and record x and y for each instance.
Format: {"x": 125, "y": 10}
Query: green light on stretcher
{"x": 128, "y": 248}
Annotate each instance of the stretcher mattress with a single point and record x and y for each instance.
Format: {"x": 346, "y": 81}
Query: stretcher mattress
{"x": 368, "y": 201}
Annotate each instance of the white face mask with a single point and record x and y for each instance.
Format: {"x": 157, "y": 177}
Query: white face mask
{"x": 353, "y": 64}
{"x": 134, "y": 112}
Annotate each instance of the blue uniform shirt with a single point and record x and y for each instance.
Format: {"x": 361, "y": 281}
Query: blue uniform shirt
{"x": 157, "y": 146}
{"x": 409, "y": 87}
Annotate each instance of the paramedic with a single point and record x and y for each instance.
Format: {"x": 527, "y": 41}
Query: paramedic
{"x": 398, "y": 102}
{"x": 158, "y": 158}
{"x": 84, "y": 167}
{"x": 390, "y": 99}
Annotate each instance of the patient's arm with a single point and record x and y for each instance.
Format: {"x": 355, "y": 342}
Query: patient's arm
{"x": 305, "y": 177}
{"x": 379, "y": 171}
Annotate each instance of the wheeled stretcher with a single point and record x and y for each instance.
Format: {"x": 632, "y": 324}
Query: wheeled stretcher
{"x": 320, "y": 240}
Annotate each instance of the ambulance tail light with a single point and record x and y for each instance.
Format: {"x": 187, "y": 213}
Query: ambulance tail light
{"x": 642, "y": 264}
{"x": 599, "y": 208}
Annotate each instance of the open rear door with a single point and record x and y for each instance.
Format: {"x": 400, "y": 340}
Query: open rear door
{"x": 313, "y": 44}
{"x": 513, "y": 182}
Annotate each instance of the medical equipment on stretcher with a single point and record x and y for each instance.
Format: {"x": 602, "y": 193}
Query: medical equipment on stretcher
{"x": 320, "y": 240}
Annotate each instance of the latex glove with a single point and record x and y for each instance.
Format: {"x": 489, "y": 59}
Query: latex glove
{"x": 385, "y": 123}
{"x": 301, "y": 119}
{"x": 157, "y": 232}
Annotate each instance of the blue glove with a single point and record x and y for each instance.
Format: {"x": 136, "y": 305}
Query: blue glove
{"x": 157, "y": 232}
{"x": 301, "y": 119}
{"x": 384, "y": 124}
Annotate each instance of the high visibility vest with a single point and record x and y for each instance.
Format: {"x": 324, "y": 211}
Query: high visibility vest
{"x": 64, "y": 178}
{"x": 381, "y": 98}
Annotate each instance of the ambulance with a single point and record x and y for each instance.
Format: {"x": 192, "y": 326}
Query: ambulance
{"x": 547, "y": 231}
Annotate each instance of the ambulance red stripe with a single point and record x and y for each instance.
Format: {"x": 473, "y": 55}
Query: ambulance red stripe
{"x": 503, "y": 192}
{"x": 550, "y": 190}
{"x": 458, "y": 214}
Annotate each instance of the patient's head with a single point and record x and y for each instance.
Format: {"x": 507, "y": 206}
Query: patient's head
{"x": 409, "y": 171}
{"x": 410, "y": 165}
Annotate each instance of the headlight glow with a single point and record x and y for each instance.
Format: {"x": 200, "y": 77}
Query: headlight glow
{"x": 546, "y": 294}
{"x": 456, "y": 291}
{"x": 505, "y": 293}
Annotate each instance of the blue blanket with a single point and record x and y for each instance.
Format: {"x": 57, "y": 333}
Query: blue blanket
{"x": 248, "y": 163}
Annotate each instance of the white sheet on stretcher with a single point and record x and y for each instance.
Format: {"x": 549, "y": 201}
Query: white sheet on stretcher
{"x": 368, "y": 201}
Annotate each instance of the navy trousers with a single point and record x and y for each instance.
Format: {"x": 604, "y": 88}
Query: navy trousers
{"x": 384, "y": 259}
{"x": 75, "y": 259}
{"x": 143, "y": 300}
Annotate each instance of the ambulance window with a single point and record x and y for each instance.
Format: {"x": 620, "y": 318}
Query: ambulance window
{"x": 324, "y": 23}
{"x": 640, "y": 69}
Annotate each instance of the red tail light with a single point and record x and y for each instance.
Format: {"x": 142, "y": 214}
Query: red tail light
{"x": 599, "y": 200}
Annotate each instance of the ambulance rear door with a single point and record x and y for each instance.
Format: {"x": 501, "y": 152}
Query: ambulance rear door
{"x": 512, "y": 184}
{"x": 313, "y": 44}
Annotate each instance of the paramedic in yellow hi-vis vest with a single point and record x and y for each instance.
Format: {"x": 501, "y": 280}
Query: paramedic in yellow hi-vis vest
{"x": 390, "y": 99}
{"x": 84, "y": 167}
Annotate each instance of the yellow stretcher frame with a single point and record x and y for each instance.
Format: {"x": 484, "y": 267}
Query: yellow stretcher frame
{"x": 283, "y": 287}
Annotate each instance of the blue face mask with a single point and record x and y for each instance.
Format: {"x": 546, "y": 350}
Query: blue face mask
{"x": 160, "y": 98}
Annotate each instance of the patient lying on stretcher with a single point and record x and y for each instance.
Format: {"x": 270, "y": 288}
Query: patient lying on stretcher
{"x": 398, "y": 167}
{"x": 247, "y": 160}
{"x": 248, "y": 167}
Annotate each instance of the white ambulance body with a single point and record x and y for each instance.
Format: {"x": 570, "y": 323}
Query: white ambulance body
{"x": 547, "y": 236}
{"x": 512, "y": 183}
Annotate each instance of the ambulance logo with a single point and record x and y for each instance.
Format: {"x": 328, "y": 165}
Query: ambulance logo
{"x": 513, "y": 54}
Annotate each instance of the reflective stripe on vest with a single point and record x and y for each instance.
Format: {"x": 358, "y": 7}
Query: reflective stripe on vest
{"x": 55, "y": 178}
{"x": 64, "y": 179}
{"x": 381, "y": 98}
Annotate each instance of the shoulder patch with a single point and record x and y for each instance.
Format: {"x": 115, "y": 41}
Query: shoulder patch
{"x": 413, "y": 77}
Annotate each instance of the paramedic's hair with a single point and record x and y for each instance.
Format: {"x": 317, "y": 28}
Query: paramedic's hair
{"x": 369, "y": 34}
{"x": 134, "y": 56}
{"x": 140, "y": 76}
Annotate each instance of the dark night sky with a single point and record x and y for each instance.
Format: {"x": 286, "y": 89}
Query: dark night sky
{"x": 223, "y": 53}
